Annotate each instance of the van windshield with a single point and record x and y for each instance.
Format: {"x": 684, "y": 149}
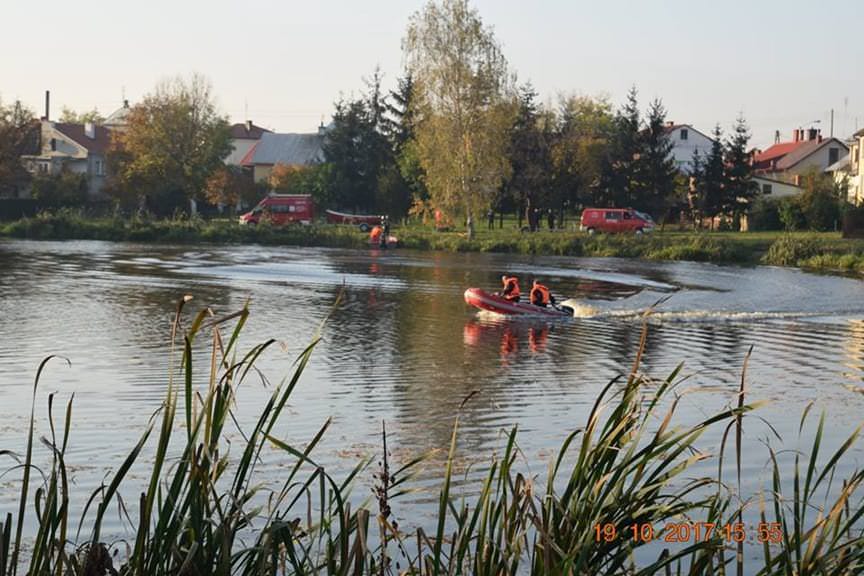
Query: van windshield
{"x": 643, "y": 216}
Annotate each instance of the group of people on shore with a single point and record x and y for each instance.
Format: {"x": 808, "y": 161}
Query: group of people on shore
{"x": 538, "y": 296}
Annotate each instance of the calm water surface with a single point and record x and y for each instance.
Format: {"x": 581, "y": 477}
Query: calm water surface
{"x": 405, "y": 349}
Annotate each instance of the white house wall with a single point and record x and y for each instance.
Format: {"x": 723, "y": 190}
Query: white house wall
{"x": 683, "y": 150}
{"x": 778, "y": 189}
{"x": 819, "y": 159}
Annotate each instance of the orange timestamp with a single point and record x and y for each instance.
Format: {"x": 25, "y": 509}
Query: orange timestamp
{"x": 766, "y": 532}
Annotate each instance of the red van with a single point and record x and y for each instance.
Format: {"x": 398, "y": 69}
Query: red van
{"x": 615, "y": 220}
{"x": 282, "y": 209}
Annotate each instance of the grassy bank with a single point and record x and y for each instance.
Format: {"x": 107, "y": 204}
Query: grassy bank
{"x": 629, "y": 466}
{"x": 817, "y": 251}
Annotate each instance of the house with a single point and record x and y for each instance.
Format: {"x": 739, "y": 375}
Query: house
{"x": 243, "y": 138}
{"x": 686, "y": 141}
{"x": 119, "y": 119}
{"x": 771, "y": 188}
{"x": 79, "y": 148}
{"x": 808, "y": 150}
{"x": 288, "y": 149}
{"x": 849, "y": 171}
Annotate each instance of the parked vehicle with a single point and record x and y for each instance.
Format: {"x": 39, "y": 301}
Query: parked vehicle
{"x": 364, "y": 221}
{"x": 282, "y": 209}
{"x": 612, "y": 220}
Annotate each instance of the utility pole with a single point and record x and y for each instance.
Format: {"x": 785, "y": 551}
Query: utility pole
{"x": 832, "y": 122}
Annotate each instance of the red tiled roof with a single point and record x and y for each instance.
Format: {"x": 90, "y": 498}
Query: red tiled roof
{"x": 241, "y": 131}
{"x": 787, "y": 154}
{"x": 777, "y": 151}
{"x": 99, "y": 144}
{"x": 247, "y": 159}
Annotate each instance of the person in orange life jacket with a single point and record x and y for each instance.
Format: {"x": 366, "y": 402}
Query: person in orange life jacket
{"x": 511, "y": 288}
{"x": 540, "y": 295}
{"x": 375, "y": 234}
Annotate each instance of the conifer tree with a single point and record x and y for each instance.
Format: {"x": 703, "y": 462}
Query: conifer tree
{"x": 528, "y": 153}
{"x": 658, "y": 165}
{"x": 740, "y": 189}
{"x": 621, "y": 177}
{"x": 712, "y": 183}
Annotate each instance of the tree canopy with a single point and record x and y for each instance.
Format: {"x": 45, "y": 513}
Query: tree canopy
{"x": 175, "y": 141}
{"x": 19, "y": 135}
{"x": 464, "y": 106}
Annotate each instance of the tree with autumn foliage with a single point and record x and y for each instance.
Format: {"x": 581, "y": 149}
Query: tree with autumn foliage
{"x": 465, "y": 105}
{"x": 174, "y": 143}
{"x": 230, "y": 187}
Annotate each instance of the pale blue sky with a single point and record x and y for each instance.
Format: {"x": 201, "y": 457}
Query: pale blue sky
{"x": 783, "y": 63}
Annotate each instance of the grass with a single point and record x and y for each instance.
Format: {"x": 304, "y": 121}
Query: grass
{"x": 817, "y": 251}
{"x": 628, "y": 466}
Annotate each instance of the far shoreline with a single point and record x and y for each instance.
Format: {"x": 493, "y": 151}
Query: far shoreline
{"x": 824, "y": 252}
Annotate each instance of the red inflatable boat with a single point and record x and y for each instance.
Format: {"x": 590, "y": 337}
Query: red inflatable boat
{"x": 500, "y": 305}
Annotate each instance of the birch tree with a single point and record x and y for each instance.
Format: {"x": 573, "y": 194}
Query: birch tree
{"x": 465, "y": 106}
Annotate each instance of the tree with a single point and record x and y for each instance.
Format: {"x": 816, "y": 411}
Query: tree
{"x": 312, "y": 180}
{"x": 230, "y": 186}
{"x": 819, "y": 202}
{"x": 401, "y": 130}
{"x": 710, "y": 187}
{"x": 658, "y": 165}
{"x": 65, "y": 190}
{"x": 579, "y": 149}
{"x": 740, "y": 189}
{"x": 621, "y": 171}
{"x": 349, "y": 151}
{"x": 463, "y": 95}
{"x": 175, "y": 141}
{"x": 69, "y": 116}
{"x": 19, "y": 135}
{"x": 529, "y": 155}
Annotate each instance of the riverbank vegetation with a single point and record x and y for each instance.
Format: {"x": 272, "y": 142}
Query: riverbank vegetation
{"x": 600, "y": 509}
{"x": 815, "y": 251}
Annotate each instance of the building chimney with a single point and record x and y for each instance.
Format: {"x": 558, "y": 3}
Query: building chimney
{"x": 795, "y": 135}
{"x": 90, "y": 130}
{"x": 670, "y": 123}
{"x": 812, "y": 133}
{"x": 47, "y": 105}
{"x": 248, "y": 126}
{"x": 125, "y": 103}
{"x": 776, "y": 137}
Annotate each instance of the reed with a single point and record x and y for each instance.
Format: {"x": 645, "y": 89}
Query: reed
{"x": 628, "y": 466}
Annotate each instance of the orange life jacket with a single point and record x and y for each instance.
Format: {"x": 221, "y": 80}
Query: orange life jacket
{"x": 375, "y": 234}
{"x": 540, "y": 295}
{"x": 511, "y": 288}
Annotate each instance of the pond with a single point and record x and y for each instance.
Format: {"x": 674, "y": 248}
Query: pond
{"x": 403, "y": 348}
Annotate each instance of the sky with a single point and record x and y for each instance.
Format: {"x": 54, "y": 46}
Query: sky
{"x": 282, "y": 64}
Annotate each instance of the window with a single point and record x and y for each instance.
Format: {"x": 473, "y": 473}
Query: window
{"x": 766, "y": 189}
{"x": 292, "y": 208}
{"x": 43, "y": 167}
{"x": 100, "y": 168}
{"x": 684, "y": 134}
{"x": 627, "y": 216}
{"x": 612, "y": 215}
{"x": 833, "y": 155}
{"x": 53, "y": 144}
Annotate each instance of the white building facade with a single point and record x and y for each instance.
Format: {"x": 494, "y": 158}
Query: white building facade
{"x": 686, "y": 142}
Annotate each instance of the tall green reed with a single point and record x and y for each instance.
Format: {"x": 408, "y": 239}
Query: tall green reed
{"x": 203, "y": 511}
